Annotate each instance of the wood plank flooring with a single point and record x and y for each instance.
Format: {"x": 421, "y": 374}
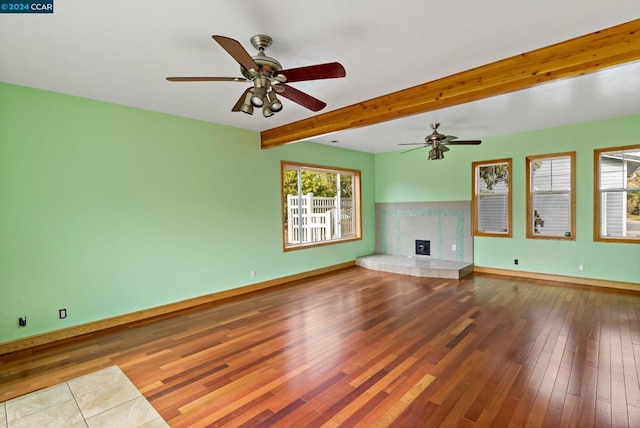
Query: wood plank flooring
{"x": 374, "y": 349}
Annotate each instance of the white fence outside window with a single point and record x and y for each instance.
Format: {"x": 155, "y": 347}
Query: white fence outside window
{"x": 317, "y": 218}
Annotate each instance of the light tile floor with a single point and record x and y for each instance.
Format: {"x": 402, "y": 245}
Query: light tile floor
{"x": 106, "y": 398}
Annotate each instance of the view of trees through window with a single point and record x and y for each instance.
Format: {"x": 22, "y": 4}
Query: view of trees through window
{"x": 320, "y": 183}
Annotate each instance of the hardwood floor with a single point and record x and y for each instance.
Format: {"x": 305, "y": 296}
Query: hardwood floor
{"x": 367, "y": 348}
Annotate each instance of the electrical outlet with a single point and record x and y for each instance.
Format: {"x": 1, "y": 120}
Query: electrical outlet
{"x": 62, "y": 313}
{"x": 581, "y": 267}
{"x": 22, "y": 321}
{"x": 515, "y": 261}
{"x": 253, "y": 274}
{"x": 453, "y": 247}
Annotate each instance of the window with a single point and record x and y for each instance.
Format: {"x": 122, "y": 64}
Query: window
{"x": 492, "y": 198}
{"x": 551, "y": 196}
{"x": 320, "y": 205}
{"x": 617, "y": 194}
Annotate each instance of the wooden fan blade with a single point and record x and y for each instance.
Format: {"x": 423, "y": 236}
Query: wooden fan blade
{"x": 463, "y": 142}
{"x": 305, "y": 100}
{"x": 329, "y": 70}
{"x": 238, "y": 105}
{"x": 206, "y": 79}
{"x": 415, "y": 148}
{"x": 235, "y": 49}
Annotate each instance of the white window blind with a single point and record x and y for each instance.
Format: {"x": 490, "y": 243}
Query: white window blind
{"x": 618, "y": 194}
{"x": 492, "y": 198}
{"x": 550, "y": 198}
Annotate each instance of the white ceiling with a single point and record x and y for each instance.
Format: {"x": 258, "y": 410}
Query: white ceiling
{"x": 121, "y": 51}
{"x": 611, "y": 92}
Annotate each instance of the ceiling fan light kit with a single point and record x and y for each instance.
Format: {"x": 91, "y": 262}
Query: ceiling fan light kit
{"x": 274, "y": 103}
{"x": 268, "y": 77}
{"x": 438, "y": 143}
{"x": 436, "y": 154}
{"x": 267, "y": 112}
{"x": 260, "y": 87}
{"x": 246, "y": 106}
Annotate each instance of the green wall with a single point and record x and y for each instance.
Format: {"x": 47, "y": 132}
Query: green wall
{"x": 108, "y": 209}
{"x": 410, "y": 177}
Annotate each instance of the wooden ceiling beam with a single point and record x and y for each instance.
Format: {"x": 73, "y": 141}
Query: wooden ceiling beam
{"x": 574, "y": 57}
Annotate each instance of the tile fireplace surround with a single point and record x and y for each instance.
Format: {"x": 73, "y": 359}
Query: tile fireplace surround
{"x": 446, "y": 225}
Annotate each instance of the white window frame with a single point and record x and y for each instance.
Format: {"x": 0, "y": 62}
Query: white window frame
{"x": 602, "y": 190}
{"x": 536, "y": 215}
{"x": 481, "y": 192}
{"x": 320, "y": 226}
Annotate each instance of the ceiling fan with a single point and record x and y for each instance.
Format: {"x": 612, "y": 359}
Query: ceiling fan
{"x": 438, "y": 143}
{"x": 268, "y": 77}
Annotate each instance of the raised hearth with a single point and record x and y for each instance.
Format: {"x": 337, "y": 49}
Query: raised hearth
{"x": 416, "y": 266}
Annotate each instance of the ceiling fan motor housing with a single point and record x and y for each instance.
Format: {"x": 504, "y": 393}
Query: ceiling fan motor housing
{"x": 267, "y": 66}
{"x": 435, "y": 137}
